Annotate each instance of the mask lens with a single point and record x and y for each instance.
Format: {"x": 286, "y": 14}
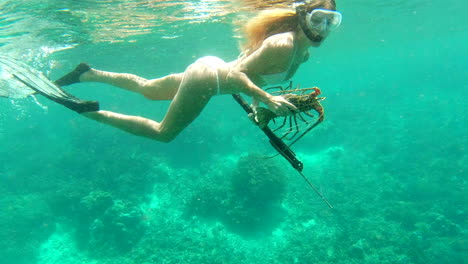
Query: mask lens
{"x": 324, "y": 20}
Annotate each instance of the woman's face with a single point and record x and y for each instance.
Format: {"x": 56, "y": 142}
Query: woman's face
{"x": 321, "y": 22}
{"x": 318, "y": 23}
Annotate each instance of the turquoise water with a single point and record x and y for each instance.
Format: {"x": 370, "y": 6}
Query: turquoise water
{"x": 390, "y": 155}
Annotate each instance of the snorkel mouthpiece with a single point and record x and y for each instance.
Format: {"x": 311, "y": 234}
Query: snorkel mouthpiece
{"x": 316, "y": 38}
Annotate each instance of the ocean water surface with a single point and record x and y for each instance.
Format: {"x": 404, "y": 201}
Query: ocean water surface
{"x": 390, "y": 156}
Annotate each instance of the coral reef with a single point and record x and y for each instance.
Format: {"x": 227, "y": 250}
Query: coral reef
{"x": 251, "y": 203}
{"x": 25, "y": 223}
{"x": 104, "y": 225}
{"x": 116, "y": 231}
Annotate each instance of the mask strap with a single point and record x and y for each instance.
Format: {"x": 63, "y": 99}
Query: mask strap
{"x": 302, "y": 13}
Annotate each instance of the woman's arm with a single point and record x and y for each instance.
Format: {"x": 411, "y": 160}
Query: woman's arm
{"x": 243, "y": 84}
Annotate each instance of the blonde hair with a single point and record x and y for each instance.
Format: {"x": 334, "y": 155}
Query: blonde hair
{"x": 266, "y": 24}
{"x": 274, "y": 21}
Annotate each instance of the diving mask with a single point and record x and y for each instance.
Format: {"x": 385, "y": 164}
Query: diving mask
{"x": 318, "y": 23}
{"x": 323, "y": 20}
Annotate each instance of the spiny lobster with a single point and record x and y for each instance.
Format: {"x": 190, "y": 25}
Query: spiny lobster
{"x": 305, "y": 103}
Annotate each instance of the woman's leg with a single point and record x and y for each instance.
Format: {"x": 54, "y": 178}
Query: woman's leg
{"x": 196, "y": 89}
{"x": 164, "y": 88}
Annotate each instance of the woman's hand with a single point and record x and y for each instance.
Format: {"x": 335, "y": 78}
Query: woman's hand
{"x": 280, "y": 106}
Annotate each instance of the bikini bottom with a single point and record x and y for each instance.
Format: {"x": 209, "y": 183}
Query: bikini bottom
{"x": 214, "y": 63}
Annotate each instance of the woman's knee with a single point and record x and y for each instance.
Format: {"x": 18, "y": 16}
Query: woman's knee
{"x": 165, "y": 137}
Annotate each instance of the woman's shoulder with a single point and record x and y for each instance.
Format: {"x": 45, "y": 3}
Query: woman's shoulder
{"x": 285, "y": 40}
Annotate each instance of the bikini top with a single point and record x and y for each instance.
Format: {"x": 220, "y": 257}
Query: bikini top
{"x": 275, "y": 78}
{"x": 280, "y": 77}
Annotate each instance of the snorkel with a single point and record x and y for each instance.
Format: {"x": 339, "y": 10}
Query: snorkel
{"x": 317, "y": 19}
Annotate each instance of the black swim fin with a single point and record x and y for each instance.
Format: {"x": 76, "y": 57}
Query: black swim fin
{"x": 37, "y": 82}
{"x": 67, "y": 100}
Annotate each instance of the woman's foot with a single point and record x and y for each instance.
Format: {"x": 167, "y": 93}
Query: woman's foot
{"x": 73, "y": 76}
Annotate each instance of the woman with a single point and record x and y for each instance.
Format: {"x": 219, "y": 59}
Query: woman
{"x": 277, "y": 43}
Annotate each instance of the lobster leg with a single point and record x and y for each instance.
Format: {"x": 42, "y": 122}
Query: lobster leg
{"x": 290, "y": 128}
{"x": 281, "y": 126}
{"x": 301, "y": 117}
{"x": 296, "y": 129}
{"x": 308, "y": 113}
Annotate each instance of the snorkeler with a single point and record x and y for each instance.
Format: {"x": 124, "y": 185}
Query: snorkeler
{"x": 277, "y": 44}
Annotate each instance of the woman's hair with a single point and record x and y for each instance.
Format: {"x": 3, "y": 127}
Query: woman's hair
{"x": 275, "y": 21}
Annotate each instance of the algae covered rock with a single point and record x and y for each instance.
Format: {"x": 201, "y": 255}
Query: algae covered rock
{"x": 25, "y": 222}
{"x": 251, "y": 201}
{"x": 96, "y": 202}
{"x": 104, "y": 225}
{"x": 256, "y": 191}
{"x": 118, "y": 229}
{"x": 258, "y": 180}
